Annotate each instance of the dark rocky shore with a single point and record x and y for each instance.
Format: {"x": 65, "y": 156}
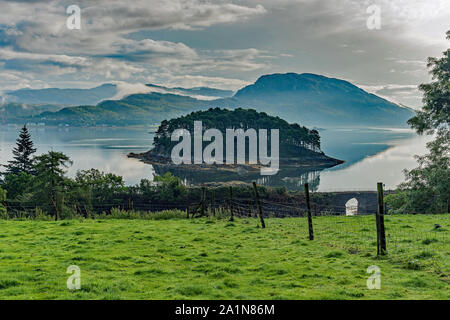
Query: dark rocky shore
{"x": 310, "y": 161}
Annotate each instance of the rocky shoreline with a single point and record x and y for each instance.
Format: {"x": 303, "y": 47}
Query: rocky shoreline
{"x": 315, "y": 161}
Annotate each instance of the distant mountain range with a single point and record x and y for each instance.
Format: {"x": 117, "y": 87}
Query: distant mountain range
{"x": 93, "y": 96}
{"x": 64, "y": 97}
{"x": 308, "y": 99}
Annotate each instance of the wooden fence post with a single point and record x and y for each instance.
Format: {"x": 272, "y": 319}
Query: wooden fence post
{"x": 308, "y": 208}
{"x": 187, "y": 204}
{"x": 55, "y": 204}
{"x": 88, "y": 215}
{"x": 381, "y": 238}
{"x": 258, "y": 202}
{"x": 231, "y": 204}
{"x": 62, "y": 205}
{"x": 203, "y": 200}
{"x": 213, "y": 203}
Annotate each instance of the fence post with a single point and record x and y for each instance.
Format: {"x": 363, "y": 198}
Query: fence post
{"x": 231, "y": 204}
{"x": 308, "y": 208}
{"x": 55, "y": 204}
{"x": 88, "y": 215}
{"x": 62, "y": 205}
{"x": 380, "y": 212}
{"x": 203, "y": 200}
{"x": 258, "y": 202}
{"x": 213, "y": 202}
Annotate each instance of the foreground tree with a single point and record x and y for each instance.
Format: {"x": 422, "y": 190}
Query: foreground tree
{"x": 2, "y": 207}
{"x": 18, "y": 184}
{"x": 435, "y": 113}
{"x": 427, "y": 187}
{"x": 23, "y": 154}
{"x": 97, "y": 189}
{"x": 51, "y": 181}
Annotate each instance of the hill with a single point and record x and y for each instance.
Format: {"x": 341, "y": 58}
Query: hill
{"x": 66, "y": 97}
{"x": 318, "y": 100}
{"x": 299, "y": 147}
{"x": 16, "y": 112}
{"x": 134, "y": 109}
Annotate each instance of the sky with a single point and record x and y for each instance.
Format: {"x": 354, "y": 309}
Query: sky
{"x": 221, "y": 43}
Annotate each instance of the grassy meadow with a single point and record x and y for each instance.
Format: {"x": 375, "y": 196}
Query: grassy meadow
{"x": 217, "y": 259}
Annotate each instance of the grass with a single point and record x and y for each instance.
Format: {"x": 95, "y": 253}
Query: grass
{"x": 217, "y": 259}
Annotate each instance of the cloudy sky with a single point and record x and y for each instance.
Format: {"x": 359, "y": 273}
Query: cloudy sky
{"x": 221, "y": 43}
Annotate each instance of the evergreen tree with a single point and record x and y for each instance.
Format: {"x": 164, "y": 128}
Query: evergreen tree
{"x": 50, "y": 181}
{"x": 23, "y": 154}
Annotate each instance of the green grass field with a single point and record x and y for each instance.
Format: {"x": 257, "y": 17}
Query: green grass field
{"x": 217, "y": 259}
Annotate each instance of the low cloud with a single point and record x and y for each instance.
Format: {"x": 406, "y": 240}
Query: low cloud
{"x": 408, "y": 95}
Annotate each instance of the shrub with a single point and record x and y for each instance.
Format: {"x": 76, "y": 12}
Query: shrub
{"x": 146, "y": 215}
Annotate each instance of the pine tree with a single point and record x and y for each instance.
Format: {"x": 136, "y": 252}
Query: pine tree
{"x": 23, "y": 160}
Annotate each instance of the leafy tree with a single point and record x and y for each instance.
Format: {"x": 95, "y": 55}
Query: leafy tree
{"x": 98, "y": 187}
{"x": 427, "y": 187}
{"x": 23, "y": 152}
{"x": 18, "y": 184}
{"x": 169, "y": 188}
{"x": 435, "y": 113}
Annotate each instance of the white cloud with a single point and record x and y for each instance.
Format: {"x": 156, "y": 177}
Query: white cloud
{"x": 38, "y": 44}
{"x": 188, "y": 81}
{"x": 408, "y": 95}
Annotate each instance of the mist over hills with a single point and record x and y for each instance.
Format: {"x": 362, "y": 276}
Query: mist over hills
{"x": 195, "y": 92}
{"x": 308, "y": 99}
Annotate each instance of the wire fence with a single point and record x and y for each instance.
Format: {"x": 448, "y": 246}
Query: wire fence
{"x": 412, "y": 241}
{"x": 415, "y": 241}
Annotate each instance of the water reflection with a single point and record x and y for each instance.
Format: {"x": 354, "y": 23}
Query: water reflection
{"x": 293, "y": 179}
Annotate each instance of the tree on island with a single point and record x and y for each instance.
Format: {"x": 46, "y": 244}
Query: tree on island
{"x": 293, "y": 137}
{"x": 23, "y": 154}
{"x": 427, "y": 187}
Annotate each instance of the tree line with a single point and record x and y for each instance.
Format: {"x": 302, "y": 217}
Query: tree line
{"x": 33, "y": 185}
{"x": 293, "y": 137}
{"x": 29, "y": 183}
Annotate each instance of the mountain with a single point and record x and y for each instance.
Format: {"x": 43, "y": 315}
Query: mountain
{"x": 66, "y": 97}
{"x": 318, "y": 100}
{"x": 308, "y": 99}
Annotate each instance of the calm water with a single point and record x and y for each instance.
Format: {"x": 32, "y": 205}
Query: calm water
{"x": 371, "y": 155}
